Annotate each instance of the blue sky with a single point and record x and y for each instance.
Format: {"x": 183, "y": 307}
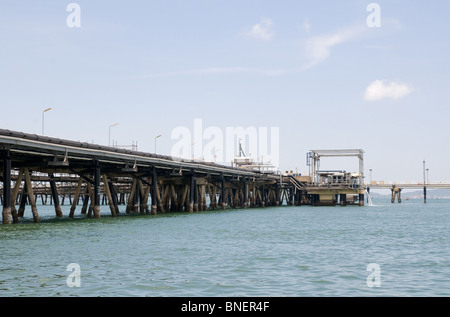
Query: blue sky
{"x": 314, "y": 69}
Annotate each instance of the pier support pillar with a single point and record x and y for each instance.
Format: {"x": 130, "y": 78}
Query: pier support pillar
{"x": 253, "y": 199}
{"x": 84, "y": 207}
{"x": 109, "y": 196}
{"x": 154, "y": 191}
{"x": 222, "y": 195}
{"x": 263, "y": 196}
{"x": 96, "y": 189}
{"x": 90, "y": 209}
{"x": 203, "y": 197}
{"x": 23, "y": 200}
{"x": 6, "y": 213}
{"x": 212, "y": 197}
{"x": 183, "y": 198}
{"x": 192, "y": 193}
{"x": 144, "y": 197}
{"x": 55, "y": 196}
{"x": 277, "y": 195}
{"x": 343, "y": 199}
{"x": 31, "y": 199}
{"x": 131, "y": 196}
{"x": 395, "y": 191}
{"x": 114, "y": 197}
{"x": 75, "y": 197}
{"x": 245, "y": 204}
{"x": 15, "y": 194}
{"x": 195, "y": 196}
{"x": 290, "y": 195}
{"x": 361, "y": 199}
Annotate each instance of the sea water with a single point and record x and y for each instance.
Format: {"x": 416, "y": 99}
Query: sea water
{"x": 274, "y": 251}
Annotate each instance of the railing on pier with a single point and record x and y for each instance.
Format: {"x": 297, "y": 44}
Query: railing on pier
{"x": 407, "y": 184}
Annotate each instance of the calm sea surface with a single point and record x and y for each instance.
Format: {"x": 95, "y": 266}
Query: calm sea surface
{"x": 276, "y": 251}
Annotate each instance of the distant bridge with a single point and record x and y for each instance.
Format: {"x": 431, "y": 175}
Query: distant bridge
{"x": 397, "y": 187}
{"x": 406, "y": 185}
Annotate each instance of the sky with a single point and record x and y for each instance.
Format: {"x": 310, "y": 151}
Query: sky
{"x": 325, "y": 74}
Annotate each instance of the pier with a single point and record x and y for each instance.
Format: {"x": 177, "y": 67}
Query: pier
{"x": 52, "y": 170}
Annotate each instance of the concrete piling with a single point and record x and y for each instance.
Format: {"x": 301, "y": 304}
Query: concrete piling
{"x": 6, "y": 212}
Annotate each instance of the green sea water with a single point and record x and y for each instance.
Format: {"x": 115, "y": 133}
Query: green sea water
{"x": 275, "y": 251}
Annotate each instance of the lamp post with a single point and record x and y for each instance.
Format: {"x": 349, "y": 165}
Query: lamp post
{"x": 48, "y": 109}
{"x": 109, "y": 134}
{"x": 156, "y": 137}
{"x": 424, "y": 179}
{"x": 424, "y": 184}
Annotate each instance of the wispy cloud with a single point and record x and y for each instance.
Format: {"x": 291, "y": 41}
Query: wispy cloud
{"x": 318, "y": 48}
{"x": 262, "y": 30}
{"x": 382, "y": 89}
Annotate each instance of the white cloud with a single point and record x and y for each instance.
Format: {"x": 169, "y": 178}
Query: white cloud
{"x": 318, "y": 48}
{"x": 262, "y": 30}
{"x": 381, "y": 89}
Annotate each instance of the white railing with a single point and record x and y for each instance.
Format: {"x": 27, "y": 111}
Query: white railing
{"x": 406, "y": 183}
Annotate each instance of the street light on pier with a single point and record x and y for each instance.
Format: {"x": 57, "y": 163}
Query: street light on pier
{"x": 48, "y": 109}
{"x": 156, "y": 137}
{"x": 424, "y": 178}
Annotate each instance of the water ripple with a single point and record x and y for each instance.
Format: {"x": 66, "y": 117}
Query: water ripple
{"x": 285, "y": 251}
